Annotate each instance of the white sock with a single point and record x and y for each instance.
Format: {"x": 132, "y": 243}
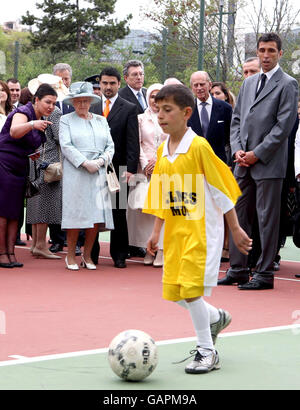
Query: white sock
{"x": 214, "y": 314}
{"x": 200, "y": 317}
{"x": 182, "y": 303}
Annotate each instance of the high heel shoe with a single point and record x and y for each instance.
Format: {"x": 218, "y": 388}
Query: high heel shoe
{"x": 5, "y": 264}
{"x": 148, "y": 259}
{"x": 87, "y": 265}
{"x": 15, "y": 263}
{"x": 45, "y": 255}
{"x": 71, "y": 267}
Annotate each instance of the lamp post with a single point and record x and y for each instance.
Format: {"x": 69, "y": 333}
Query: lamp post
{"x": 164, "y": 56}
{"x": 221, "y": 6}
{"x": 201, "y": 35}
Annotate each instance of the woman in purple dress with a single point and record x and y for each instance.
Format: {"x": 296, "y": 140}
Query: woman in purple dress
{"x": 20, "y": 138}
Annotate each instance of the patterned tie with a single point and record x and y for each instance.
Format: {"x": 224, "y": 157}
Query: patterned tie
{"x": 140, "y": 100}
{"x": 262, "y": 84}
{"x": 204, "y": 119}
{"x": 106, "y": 109}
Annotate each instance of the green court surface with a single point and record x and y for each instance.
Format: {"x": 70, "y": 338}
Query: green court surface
{"x": 290, "y": 252}
{"x": 262, "y": 360}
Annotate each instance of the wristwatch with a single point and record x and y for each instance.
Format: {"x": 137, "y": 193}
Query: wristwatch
{"x": 32, "y": 124}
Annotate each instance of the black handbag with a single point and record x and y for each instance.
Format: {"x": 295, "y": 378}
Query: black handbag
{"x": 32, "y": 187}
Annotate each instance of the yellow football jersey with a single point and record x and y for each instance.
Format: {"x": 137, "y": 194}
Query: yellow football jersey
{"x": 191, "y": 191}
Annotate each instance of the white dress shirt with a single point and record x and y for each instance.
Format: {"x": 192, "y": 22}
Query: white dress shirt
{"x": 112, "y": 101}
{"x": 135, "y": 92}
{"x": 269, "y": 75}
{"x": 209, "y": 104}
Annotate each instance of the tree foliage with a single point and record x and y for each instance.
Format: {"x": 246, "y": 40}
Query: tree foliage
{"x": 181, "y": 20}
{"x": 66, "y": 26}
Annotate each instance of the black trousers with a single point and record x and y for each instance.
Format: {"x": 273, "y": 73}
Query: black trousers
{"x": 263, "y": 198}
{"x": 119, "y": 235}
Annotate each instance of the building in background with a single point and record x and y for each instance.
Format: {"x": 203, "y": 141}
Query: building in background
{"x": 13, "y": 26}
{"x": 137, "y": 41}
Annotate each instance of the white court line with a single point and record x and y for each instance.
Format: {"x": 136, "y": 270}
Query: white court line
{"x": 291, "y": 280}
{"x": 26, "y": 360}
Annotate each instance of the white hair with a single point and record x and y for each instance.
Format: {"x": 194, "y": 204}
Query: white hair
{"x": 62, "y": 67}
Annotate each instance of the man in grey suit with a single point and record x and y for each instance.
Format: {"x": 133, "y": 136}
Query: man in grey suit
{"x": 262, "y": 121}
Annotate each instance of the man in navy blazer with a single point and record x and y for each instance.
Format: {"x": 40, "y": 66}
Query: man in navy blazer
{"x": 217, "y": 130}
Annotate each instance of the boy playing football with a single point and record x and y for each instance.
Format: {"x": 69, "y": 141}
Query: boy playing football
{"x": 190, "y": 190}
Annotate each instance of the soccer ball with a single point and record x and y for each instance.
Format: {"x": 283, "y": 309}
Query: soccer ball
{"x": 132, "y": 355}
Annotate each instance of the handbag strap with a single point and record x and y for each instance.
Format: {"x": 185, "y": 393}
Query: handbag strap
{"x": 35, "y": 170}
{"x": 59, "y": 153}
{"x": 43, "y": 152}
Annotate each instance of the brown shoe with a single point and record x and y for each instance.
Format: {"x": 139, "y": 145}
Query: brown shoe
{"x": 44, "y": 255}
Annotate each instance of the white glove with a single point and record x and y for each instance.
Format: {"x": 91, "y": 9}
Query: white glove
{"x": 92, "y": 166}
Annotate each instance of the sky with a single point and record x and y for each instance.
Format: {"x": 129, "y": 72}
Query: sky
{"x": 14, "y": 9}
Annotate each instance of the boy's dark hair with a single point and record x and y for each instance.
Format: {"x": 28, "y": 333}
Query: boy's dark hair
{"x": 270, "y": 37}
{"x": 181, "y": 94}
{"x": 111, "y": 72}
{"x": 43, "y": 90}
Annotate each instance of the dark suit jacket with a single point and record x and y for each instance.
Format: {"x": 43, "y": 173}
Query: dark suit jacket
{"x": 66, "y": 109}
{"x": 123, "y": 124}
{"x": 128, "y": 95}
{"x": 218, "y": 133}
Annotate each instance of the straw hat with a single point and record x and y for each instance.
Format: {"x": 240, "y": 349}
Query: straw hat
{"x": 81, "y": 89}
{"x": 54, "y": 80}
